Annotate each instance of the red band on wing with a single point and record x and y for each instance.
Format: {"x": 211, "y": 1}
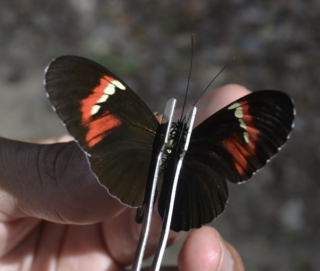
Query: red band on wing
{"x": 247, "y": 118}
{"x": 97, "y": 129}
{"x": 239, "y": 149}
{"x": 91, "y": 100}
{"x": 239, "y": 153}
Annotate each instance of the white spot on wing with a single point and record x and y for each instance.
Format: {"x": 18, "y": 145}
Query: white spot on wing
{"x": 103, "y": 98}
{"x": 95, "y": 109}
{"x": 110, "y": 89}
{"x": 118, "y": 84}
{"x": 238, "y": 113}
{"x": 47, "y": 68}
{"x": 242, "y": 124}
{"x": 246, "y": 136}
{"x": 235, "y": 105}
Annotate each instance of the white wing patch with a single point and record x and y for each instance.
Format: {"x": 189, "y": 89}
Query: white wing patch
{"x": 95, "y": 109}
{"x": 109, "y": 90}
{"x": 238, "y": 113}
{"x": 233, "y": 106}
{"x": 118, "y": 84}
{"x": 242, "y": 124}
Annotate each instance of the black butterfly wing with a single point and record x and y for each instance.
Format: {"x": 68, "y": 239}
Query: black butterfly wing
{"x": 198, "y": 200}
{"x": 230, "y": 145}
{"x": 109, "y": 121}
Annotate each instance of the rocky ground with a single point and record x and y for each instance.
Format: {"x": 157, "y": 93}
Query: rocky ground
{"x": 274, "y": 219}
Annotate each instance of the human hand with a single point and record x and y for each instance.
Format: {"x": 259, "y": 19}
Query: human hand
{"x": 55, "y": 216}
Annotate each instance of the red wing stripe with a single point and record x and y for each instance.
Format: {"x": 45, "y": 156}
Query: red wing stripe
{"x": 240, "y": 151}
{"x": 97, "y": 129}
{"x": 235, "y": 149}
{"x": 248, "y": 120}
{"x": 99, "y": 94}
{"x": 253, "y": 136}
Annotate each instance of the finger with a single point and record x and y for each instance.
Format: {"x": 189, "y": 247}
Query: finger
{"x": 122, "y": 234}
{"x": 51, "y": 182}
{"x": 204, "y": 250}
{"x": 212, "y": 101}
{"x": 52, "y": 140}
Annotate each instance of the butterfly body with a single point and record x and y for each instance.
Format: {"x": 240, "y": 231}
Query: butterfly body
{"x": 117, "y": 131}
{"x": 176, "y": 139}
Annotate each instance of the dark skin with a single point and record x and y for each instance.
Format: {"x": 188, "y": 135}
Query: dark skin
{"x": 55, "y": 216}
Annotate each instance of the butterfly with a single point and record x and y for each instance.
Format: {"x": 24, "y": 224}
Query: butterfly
{"x": 116, "y": 130}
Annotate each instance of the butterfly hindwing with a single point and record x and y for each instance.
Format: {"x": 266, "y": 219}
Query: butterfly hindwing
{"x": 200, "y": 197}
{"x": 109, "y": 121}
{"x": 232, "y": 144}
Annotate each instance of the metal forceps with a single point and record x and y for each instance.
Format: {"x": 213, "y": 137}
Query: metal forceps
{"x": 167, "y": 122}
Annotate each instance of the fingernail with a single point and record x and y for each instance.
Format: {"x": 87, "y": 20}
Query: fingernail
{"x": 226, "y": 262}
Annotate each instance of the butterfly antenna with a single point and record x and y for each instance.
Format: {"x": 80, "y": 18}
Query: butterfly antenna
{"x": 214, "y": 78}
{"x": 191, "y": 60}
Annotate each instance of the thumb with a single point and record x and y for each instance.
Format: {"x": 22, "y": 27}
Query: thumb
{"x": 51, "y": 182}
{"x": 205, "y": 249}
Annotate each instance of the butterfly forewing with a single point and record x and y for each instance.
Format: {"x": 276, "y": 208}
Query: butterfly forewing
{"x": 109, "y": 121}
{"x": 230, "y": 145}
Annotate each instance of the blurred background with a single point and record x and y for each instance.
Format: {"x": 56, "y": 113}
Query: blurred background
{"x": 274, "y": 219}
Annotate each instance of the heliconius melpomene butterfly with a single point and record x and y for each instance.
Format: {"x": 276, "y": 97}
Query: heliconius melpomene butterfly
{"x": 116, "y": 130}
